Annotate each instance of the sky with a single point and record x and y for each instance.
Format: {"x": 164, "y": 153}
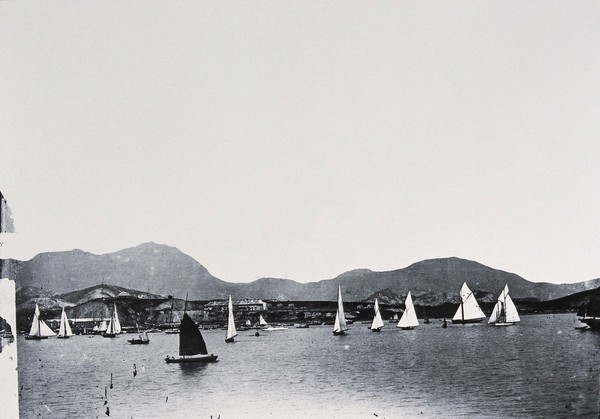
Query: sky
{"x": 304, "y": 139}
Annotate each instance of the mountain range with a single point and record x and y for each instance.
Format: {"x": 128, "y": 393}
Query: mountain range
{"x": 164, "y": 270}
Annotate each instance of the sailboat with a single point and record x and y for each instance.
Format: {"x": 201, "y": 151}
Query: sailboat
{"x": 192, "y": 348}
{"x": 505, "y": 312}
{"x": 468, "y": 311}
{"x": 262, "y": 322}
{"x": 377, "y": 321}
{"x": 172, "y": 326}
{"x": 231, "y": 332}
{"x": 64, "y": 330}
{"x": 39, "y": 328}
{"x": 409, "y": 317}
{"x": 339, "y": 326}
{"x": 142, "y": 338}
{"x": 114, "y": 326}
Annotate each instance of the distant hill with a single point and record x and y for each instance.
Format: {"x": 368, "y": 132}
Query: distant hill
{"x": 164, "y": 270}
{"x": 154, "y": 268}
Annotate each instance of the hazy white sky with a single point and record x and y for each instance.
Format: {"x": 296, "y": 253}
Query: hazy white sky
{"x": 304, "y": 139}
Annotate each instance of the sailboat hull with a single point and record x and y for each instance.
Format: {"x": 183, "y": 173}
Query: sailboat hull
{"x": 407, "y": 328}
{"x": 469, "y": 321}
{"x": 191, "y": 359}
{"x": 138, "y": 341}
{"x": 63, "y": 337}
{"x": 378, "y": 329}
{"x": 230, "y": 340}
{"x": 109, "y": 335}
{"x": 504, "y": 324}
{"x": 339, "y": 333}
{"x": 36, "y": 337}
{"x": 592, "y": 322}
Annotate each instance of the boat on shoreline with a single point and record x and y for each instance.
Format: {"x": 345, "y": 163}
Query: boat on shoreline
{"x": 468, "y": 310}
{"x": 409, "y": 317}
{"x": 505, "y": 312}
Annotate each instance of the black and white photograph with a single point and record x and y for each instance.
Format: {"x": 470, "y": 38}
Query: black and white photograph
{"x": 299, "y": 209}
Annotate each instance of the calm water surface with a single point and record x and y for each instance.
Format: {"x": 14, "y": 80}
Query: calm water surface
{"x": 541, "y": 367}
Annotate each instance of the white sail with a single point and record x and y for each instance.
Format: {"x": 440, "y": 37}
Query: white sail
{"x": 35, "y": 324}
{"x": 110, "y": 329}
{"x": 176, "y": 318}
{"x": 409, "y": 317}
{"x": 39, "y": 327}
{"x": 103, "y": 326}
{"x": 65, "y": 328}
{"x": 377, "y": 321}
{"x": 468, "y": 308}
{"x": 115, "y": 319}
{"x": 261, "y": 321}
{"x": 340, "y": 320}
{"x": 231, "y": 332}
{"x": 505, "y": 310}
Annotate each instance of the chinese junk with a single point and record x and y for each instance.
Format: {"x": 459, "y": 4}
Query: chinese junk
{"x": 340, "y": 327}
{"x": 231, "y": 332}
{"x": 505, "y": 312}
{"x": 377, "y": 321}
{"x": 409, "y": 317}
{"x": 39, "y": 329}
{"x": 192, "y": 348}
{"x": 64, "y": 330}
{"x": 468, "y": 311}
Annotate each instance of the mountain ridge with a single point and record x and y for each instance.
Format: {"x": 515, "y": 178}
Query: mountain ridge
{"x": 165, "y": 270}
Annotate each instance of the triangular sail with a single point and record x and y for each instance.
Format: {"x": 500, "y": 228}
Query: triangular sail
{"x": 409, "y": 317}
{"x": 176, "y": 318}
{"x": 117, "y": 324}
{"x": 505, "y": 309}
{"x": 39, "y": 327}
{"x": 231, "y": 332}
{"x": 340, "y": 320}
{"x": 469, "y": 308}
{"x": 190, "y": 338}
{"x": 377, "y": 321}
{"x": 261, "y": 321}
{"x": 35, "y": 324}
{"x": 65, "y": 328}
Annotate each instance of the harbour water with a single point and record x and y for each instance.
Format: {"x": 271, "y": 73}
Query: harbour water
{"x": 541, "y": 367}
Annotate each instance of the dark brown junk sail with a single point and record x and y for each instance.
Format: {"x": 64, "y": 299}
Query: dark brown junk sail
{"x": 190, "y": 338}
